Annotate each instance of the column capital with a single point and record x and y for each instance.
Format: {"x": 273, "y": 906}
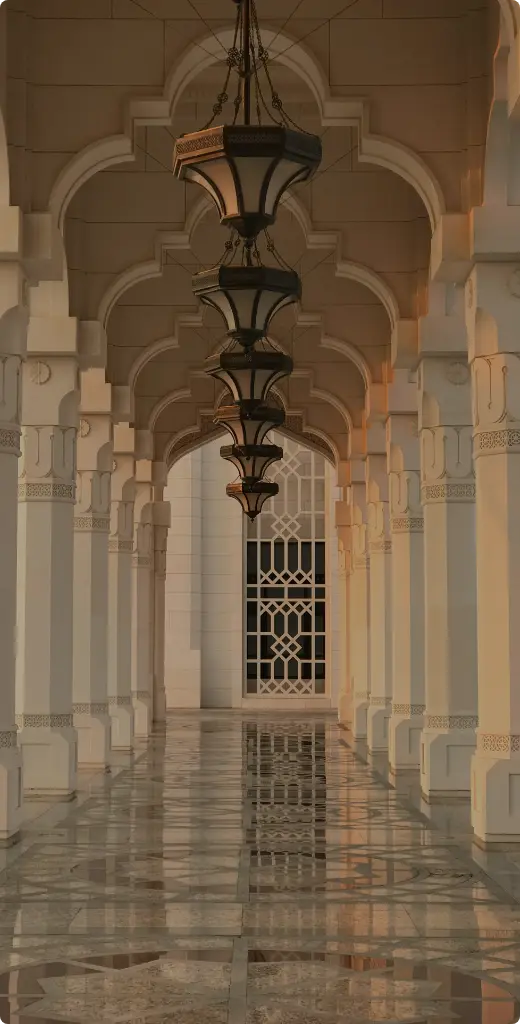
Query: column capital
{"x": 10, "y": 404}
{"x": 496, "y": 404}
{"x": 492, "y": 307}
{"x": 48, "y": 464}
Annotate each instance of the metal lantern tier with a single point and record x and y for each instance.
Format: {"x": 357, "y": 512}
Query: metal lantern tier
{"x": 250, "y": 374}
{"x": 247, "y": 297}
{"x": 252, "y": 461}
{"x": 252, "y": 494}
{"x": 246, "y": 169}
{"x": 249, "y": 422}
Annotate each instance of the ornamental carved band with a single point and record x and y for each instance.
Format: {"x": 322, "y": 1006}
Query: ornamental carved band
{"x": 141, "y": 694}
{"x": 411, "y": 710}
{"x": 380, "y": 702}
{"x": 407, "y": 524}
{"x": 451, "y": 722}
{"x": 361, "y": 695}
{"x": 377, "y": 546}
{"x": 498, "y": 743}
{"x": 92, "y": 524}
{"x": 494, "y": 442}
{"x": 361, "y": 562}
{"x": 46, "y": 492}
{"x": 97, "y": 708}
{"x": 121, "y": 701}
{"x": 437, "y": 493}
{"x": 142, "y": 561}
{"x": 44, "y": 721}
{"x": 120, "y": 545}
{"x": 9, "y": 738}
{"x": 10, "y": 442}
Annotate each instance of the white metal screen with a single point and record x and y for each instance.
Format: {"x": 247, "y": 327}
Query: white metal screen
{"x": 286, "y": 582}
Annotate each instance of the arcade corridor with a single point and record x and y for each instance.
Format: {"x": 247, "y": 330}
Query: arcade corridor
{"x": 245, "y": 871}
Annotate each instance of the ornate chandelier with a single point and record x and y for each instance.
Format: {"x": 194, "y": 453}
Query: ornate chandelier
{"x": 246, "y": 168}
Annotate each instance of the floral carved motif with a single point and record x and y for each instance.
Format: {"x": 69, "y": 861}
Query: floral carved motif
{"x": 407, "y": 524}
{"x": 8, "y": 738}
{"x": 10, "y": 441}
{"x": 96, "y": 708}
{"x": 451, "y": 722}
{"x": 499, "y": 743}
{"x": 44, "y": 721}
{"x": 448, "y": 492}
{"x": 44, "y": 492}
{"x": 121, "y": 701}
{"x": 92, "y": 524}
{"x": 411, "y": 710}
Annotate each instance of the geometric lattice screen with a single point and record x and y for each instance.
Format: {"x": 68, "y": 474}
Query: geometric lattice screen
{"x": 286, "y": 582}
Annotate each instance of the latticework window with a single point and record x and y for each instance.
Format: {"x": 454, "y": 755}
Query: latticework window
{"x": 286, "y": 582}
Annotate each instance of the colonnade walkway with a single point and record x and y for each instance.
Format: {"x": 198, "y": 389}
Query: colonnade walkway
{"x": 255, "y": 870}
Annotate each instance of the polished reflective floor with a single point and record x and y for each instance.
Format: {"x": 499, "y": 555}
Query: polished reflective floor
{"x": 256, "y": 871}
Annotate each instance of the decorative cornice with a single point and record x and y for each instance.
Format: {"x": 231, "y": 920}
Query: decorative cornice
{"x": 92, "y": 524}
{"x": 498, "y": 743}
{"x": 44, "y": 721}
{"x": 451, "y": 722}
{"x": 121, "y": 701}
{"x": 438, "y": 493}
{"x": 410, "y": 710}
{"x": 96, "y": 708}
{"x": 46, "y": 492}
{"x": 407, "y": 524}
{"x": 9, "y": 738}
{"x": 493, "y": 442}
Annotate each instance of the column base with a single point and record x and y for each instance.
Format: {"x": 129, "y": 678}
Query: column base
{"x": 50, "y": 761}
{"x": 446, "y": 763}
{"x": 495, "y": 800}
{"x": 345, "y": 710}
{"x": 11, "y": 794}
{"x": 359, "y": 719}
{"x": 404, "y": 742}
{"x": 159, "y": 704}
{"x": 377, "y": 728}
{"x": 122, "y": 727}
{"x": 93, "y": 740}
{"x": 142, "y": 706}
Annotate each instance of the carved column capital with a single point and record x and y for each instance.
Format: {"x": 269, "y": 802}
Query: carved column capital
{"x": 121, "y": 526}
{"x": 447, "y": 464}
{"x": 10, "y": 403}
{"x": 48, "y": 464}
{"x": 496, "y": 404}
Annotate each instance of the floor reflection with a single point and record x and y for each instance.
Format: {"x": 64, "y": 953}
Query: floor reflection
{"x": 250, "y": 871}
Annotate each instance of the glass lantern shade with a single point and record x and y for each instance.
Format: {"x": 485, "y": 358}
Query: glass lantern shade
{"x": 247, "y": 297}
{"x": 252, "y": 494}
{"x": 246, "y": 169}
{"x": 252, "y": 461}
{"x": 250, "y": 374}
{"x": 248, "y": 422}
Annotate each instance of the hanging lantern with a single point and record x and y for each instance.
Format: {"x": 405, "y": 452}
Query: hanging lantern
{"x": 246, "y": 169}
{"x": 253, "y": 460}
{"x": 250, "y": 374}
{"x": 252, "y": 494}
{"x": 248, "y": 422}
{"x": 247, "y": 297}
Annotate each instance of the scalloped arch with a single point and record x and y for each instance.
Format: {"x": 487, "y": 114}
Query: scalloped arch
{"x": 334, "y": 110}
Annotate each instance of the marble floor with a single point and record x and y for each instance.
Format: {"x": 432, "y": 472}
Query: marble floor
{"x": 255, "y": 870}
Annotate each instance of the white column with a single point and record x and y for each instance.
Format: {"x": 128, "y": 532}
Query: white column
{"x": 91, "y": 531}
{"x": 183, "y": 584}
{"x": 380, "y": 553}
{"x": 493, "y": 311}
{"x": 359, "y": 614}
{"x": 120, "y": 551}
{"x": 11, "y": 789}
{"x": 142, "y": 598}
{"x": 448, "y": 497}
{"x": 159, "y": 692}
{"x": 407, "y": 530}
{"x": 45, "y": 575}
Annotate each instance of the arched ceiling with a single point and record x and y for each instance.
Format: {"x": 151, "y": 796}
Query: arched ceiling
{"x": 372, "y": 77}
